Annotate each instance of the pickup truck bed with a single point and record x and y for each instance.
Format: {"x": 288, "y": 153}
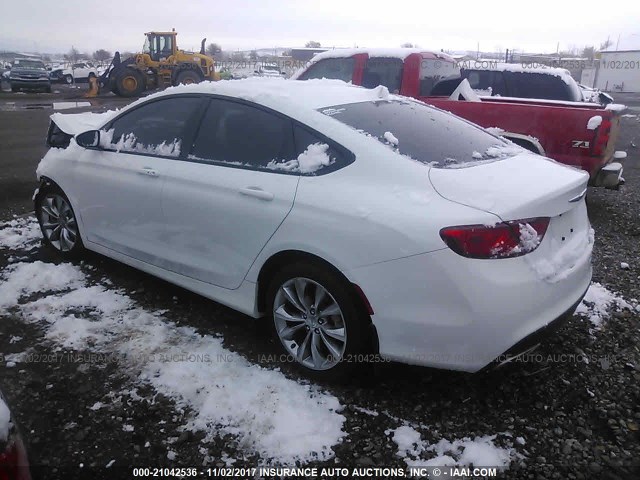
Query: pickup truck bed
{"x": 564, "y": 131}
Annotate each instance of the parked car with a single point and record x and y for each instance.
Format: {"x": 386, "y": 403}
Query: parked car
{"x": 57, "y": 75}
{"x": 554, "y": 128}
{"x": 515, "y": 80}
{"x": 269, "y": 70}
{"x": 14, "y": 464}
{"x": 360, "y": 222}
{"x": 80, "y": 72}
{"x": 29, "y": 74}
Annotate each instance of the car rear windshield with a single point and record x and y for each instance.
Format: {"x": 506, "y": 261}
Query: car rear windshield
{"x": 423, "y": 133}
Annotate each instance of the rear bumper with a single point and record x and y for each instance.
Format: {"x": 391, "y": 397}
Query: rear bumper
{"x": 446, "y": 311}
{"x": 532, "y": 340}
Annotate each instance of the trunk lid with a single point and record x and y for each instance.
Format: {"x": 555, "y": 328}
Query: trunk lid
{"x": 519, "y": 187}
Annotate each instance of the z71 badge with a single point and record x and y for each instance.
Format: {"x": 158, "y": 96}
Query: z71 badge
{"x": 580, "y": 143}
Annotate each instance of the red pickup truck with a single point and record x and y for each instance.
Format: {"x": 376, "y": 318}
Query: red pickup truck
{"x": 574, "y": 133}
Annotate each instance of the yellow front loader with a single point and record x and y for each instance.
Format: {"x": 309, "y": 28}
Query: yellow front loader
{"x": 160, "y": 65}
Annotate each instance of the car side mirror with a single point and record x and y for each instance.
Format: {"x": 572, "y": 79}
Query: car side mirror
{"x": 90, "y": 139}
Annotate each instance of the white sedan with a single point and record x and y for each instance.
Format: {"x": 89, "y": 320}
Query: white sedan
{"x": 367, "y": 226}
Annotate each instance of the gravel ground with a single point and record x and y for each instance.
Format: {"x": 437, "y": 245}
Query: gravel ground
{"x": 574, "y": 406}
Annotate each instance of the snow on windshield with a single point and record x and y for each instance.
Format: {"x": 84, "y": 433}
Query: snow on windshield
{"x": 129, "y": 143}
{"x": 310, "y": 161}
{"x": 423, "y": 133}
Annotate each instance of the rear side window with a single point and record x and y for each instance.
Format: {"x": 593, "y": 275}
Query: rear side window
{"x": 423, "y": 133}
{"x": 383, "y": 71}
{"x": 537, "y": 85}
{"x": 155, "y": 128}
{"x": 434, "y": 70}
{"x": 239, "y": 134}
{"x": 338, "y": 68}
{"x": 486, "y": 82}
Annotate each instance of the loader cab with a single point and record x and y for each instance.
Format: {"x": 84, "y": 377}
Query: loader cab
{"x": 159, "y": 45}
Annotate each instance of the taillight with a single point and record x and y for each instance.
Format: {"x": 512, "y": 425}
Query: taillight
{"x": 13, "y": 463}
{"x": 602, "y": 138}
{"x": 504, "y": 240}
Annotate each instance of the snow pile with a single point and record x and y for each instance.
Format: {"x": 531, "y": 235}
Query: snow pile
{"x": 594, "y": 122}
{"x": 598, "y": 302}
{"x": 5, "y": 419}
{"x": 391, "y": 138}
{"x": 311, "y": 160}
{"x": 265, "y": 412}
{"x": 479, "y": 451}
{"x": 504, "y": 150}
{"x": 129, "y": 143}
{"x": 19, "y": 233}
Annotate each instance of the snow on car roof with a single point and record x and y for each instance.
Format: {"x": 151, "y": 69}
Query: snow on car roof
{"x": 400, "y": 53}
{"x": 297, "y": 99}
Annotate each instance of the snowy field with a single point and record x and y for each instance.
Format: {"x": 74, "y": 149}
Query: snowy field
{"x": 264, "y": 413}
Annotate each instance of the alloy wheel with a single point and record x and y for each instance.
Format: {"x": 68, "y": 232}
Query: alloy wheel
{"x": 58, "y": 222}
{"x": 310, "y": 323}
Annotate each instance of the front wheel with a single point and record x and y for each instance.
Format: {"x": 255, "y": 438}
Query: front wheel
{"x": 58, "y": 222}
{"x": 187, "y": 77}
{"x": 68, "y": 79}
{"x": 317, "y": 321}
{"x": 129, "y": 83}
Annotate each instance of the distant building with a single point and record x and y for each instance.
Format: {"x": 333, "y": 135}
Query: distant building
{"x": 617, "y": 71}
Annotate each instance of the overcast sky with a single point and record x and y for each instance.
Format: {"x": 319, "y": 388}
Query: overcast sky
{"x": 54, "y": 26}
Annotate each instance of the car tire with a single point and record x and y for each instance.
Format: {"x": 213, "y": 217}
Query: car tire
{"x": 68, "y": 79}
{"x": 187, "y": 77}
{"x": 129, "y": 83}
{"x": 326, "y": 347}
{"x": 58, "y": 222}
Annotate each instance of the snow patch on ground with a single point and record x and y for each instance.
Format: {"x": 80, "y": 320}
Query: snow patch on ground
{"x": 277, "y": 418}
{"x": 599, "y": 302}
{"x": 19, "y": 233}
{"x": 479, "y": 451}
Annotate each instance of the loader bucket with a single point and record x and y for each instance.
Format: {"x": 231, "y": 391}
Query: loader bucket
{"x": 94, "y": 88}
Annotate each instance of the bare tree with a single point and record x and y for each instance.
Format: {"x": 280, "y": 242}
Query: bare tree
{"x": 102, "y": 55}
{"x": 238, "y": 57}
{"x": 606, "y": 44}
{"x": 213, "y": 49}
{"x": 253, "y": 55}
{"x": 589, "y": 52}
{"x": 312, "y": 44}
{"x": 72, "y": 55}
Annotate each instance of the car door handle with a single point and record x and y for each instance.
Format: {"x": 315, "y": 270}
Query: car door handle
{"x": 148, "y": 171}
{"x": 256, "y": 192}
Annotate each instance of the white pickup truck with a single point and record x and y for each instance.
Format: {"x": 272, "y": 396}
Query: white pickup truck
{"x": 80, "y": 72}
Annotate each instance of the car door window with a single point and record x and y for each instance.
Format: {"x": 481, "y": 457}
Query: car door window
{"x": 155, "y": 128}
{"x": 337, "y": 68}
{"x": 239, "y": 134}
{"x": 383, "y": 71}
